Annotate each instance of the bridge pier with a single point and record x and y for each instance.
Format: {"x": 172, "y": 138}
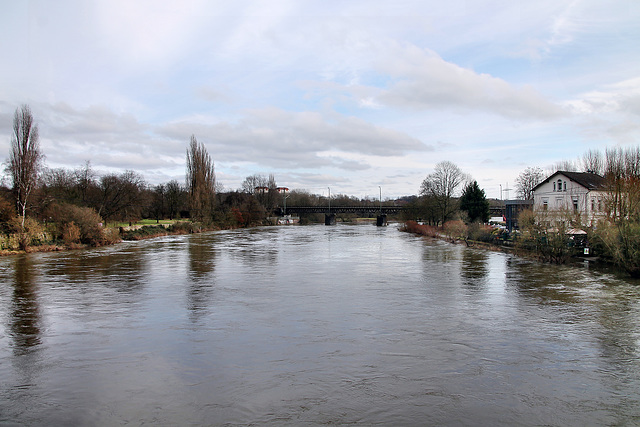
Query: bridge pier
{"x": 330, "y": 219}
{"x": 381, "y": 220}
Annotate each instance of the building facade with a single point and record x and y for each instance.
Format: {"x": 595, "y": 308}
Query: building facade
{"x": 572, "y": 192}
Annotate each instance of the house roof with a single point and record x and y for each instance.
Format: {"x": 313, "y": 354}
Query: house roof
{"x": 590, "y": 181}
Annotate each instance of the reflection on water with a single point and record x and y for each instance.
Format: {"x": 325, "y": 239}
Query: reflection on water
{"x": 200, "y": 285}
{"x": 313, "y": 325}
{"x": 25, "y": 311}
{"x": 474, "y": 269}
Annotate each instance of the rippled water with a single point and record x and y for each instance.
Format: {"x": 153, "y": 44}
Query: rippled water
{"x": 313, "y": 325}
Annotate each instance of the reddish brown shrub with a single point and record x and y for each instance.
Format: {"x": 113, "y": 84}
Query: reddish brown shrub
{"x": 420, "y": 229}
{"x": 71, "y": 233}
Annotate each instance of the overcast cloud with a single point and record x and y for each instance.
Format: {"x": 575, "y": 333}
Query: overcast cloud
{"x": 348, "y": 95}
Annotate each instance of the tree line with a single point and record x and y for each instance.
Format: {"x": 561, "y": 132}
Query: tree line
{"x": 75, "y": 205}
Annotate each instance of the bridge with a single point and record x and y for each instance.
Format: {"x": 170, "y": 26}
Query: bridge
{"x": 384, "y": 210}
{"x": 331, "y": 211}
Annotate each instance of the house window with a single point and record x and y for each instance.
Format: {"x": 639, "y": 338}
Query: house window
{"x": 559, "y": 185}
{"x": 565, "y": 185}
{"x": 545, "y": 204}
{"x": 593, "y": 205}
{"x": 599, "y": 205}
{"x": 554, "y": 186}
{"x": 575, "y": 204}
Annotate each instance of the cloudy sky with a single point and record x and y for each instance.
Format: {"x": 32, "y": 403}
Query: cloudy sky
{"x": 351, "y": 95}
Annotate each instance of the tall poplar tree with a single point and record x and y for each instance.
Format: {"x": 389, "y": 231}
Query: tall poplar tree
{"x": 201, "y": 181}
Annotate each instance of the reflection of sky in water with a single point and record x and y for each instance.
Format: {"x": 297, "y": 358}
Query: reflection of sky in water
{"x": 290, "y": 325}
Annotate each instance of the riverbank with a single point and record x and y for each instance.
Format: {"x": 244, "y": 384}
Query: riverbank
{"x": 506, "y": 246}
{"x": 44, "y": 242}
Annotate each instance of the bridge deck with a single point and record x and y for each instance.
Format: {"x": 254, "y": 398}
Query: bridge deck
{"x": 342, "y": 209}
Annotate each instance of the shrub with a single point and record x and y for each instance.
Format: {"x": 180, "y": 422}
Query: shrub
{"x": 181, "y": 227}
{"x": 420, "y": 229}
{"x": 86, "y": 219}
{"x": 144, "y": 232}
{"x": 621, "y": 243}
{"x": 32, "y": 233}
{"x": 482, "y": 233}
{"x": 456, "y": 230}
{"x": 71, "y": 233}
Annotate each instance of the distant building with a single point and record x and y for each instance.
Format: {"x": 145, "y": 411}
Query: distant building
{"x": 512, "y": 209}
{"x": 574, "y": 192}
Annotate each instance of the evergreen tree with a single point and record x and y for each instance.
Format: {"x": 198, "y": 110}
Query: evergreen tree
{"x": 475, "y": 203}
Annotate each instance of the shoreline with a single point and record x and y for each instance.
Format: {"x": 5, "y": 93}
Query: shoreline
{"x": 575, "y": 261}
{"x": 126, "y": 234}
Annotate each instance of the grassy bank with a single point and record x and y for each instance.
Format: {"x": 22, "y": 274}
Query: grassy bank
{"x": 52, "y": 237}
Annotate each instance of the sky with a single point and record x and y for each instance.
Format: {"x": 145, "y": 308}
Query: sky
{"x": 359, "y": 97}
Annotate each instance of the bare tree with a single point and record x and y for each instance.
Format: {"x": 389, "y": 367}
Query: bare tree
{"x": 564, "y": 165}
{"x": 251, "y": 183}
{"x": 441, "y": 186}
{"x": 26, "y": 160}
{"x": 175, "y": 198}
{"x": 120, "y": 196}
{"x": 593, "y": 162}
{"x": 85, "y": 182}
{"x": 527, "y": 180}
{"x": 622, "y": 177}
{"x": 201, "y": 181}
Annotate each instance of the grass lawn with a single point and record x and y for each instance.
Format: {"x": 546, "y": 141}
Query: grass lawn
{"x": 145, "y": 222}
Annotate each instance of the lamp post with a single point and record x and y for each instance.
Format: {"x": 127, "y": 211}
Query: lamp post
{"x": 329, "y": 199}
{"x": 284, "y": 198}
{"x": 379, "y": 187}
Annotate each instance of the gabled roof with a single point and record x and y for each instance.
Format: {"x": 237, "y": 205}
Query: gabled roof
{"x": 590, "y": 181}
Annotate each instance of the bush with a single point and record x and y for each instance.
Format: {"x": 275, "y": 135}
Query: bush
{"x": 144, "y": 232}
{"x": 181, "y": 227}
{"x": 621, "y": 243}
{"x": 71, "y": 233}
{"x": 86, "y": 220}
{"x": 482, "y": 233}
{"x": 456, "y": 230}
{"x": 420, "y": 229}
{"x": 32, "y": 233}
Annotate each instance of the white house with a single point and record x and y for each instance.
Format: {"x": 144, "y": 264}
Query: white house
{"x": 578, "y": 192}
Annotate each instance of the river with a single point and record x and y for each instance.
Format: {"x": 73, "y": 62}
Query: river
{"x": 314, "y": 325}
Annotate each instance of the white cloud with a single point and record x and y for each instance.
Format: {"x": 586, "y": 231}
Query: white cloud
{"x": 349, "y": 92}
{"x": 611, "y": 112}
{"x": 282, "y": 139}
{"x": 423, "y": 80}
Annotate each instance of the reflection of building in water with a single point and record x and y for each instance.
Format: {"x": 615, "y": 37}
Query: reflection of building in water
{"x": 25, "y": 311}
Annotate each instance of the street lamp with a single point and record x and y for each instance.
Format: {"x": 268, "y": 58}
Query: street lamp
{"x": 284, "y": 198}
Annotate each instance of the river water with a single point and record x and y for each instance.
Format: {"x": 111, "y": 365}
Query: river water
{"x": 314, "y": 325}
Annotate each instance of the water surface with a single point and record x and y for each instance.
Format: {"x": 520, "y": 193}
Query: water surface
{"x": 313, "y": 325}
